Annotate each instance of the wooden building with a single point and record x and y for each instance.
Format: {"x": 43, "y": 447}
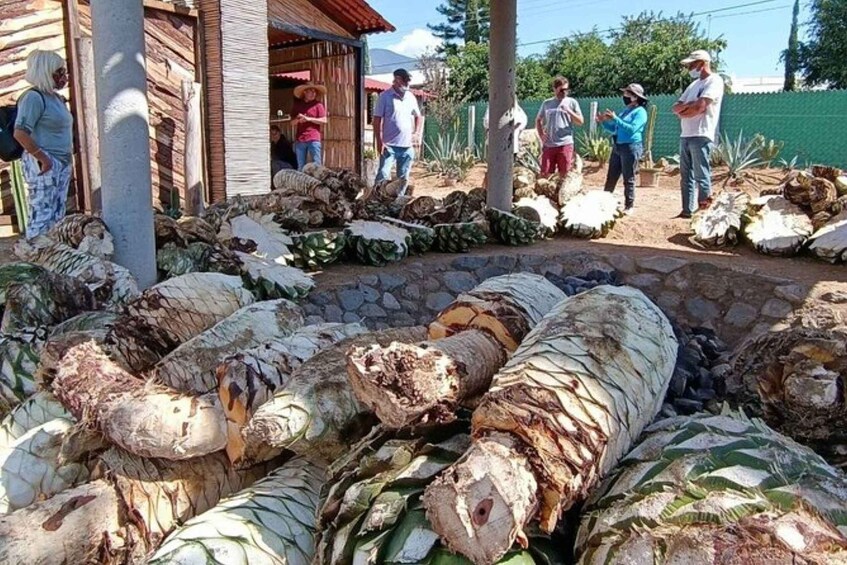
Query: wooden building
{"x": 209, "y": 66}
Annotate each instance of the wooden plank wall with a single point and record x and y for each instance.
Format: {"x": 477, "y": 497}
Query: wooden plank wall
{"x": 25, "y": 25}
{"x": 169, "y": 43}
{"x": 334, "y": 66}
{"x": 303, "y": 13}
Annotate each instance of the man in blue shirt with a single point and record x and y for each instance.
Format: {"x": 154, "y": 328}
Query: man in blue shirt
{"x": 628, "y": 132}
{"x": 397, "y": 127}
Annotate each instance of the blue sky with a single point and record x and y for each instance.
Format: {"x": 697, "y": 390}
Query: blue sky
{"x": 756, "y": 30}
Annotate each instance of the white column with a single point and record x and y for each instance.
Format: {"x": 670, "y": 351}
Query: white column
{"x": 122, "y": 116}
{"x": 472, "y": 127}
{"x": 501, "y": 93}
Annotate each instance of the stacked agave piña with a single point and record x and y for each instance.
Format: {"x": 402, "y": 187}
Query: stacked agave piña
{"x": 590, "y": 214}
{"x": 372, "y": 512}
{"x": 548, "y": 214}
{"x": 794, "y": 379}
{"x": 374, "y": 243}
{"x": 271, "y": 522}
{"x": 775, "y": 226}
{"x": 315, "y": 249}
{"x": 507, "y": 307}
{"x": 249, "y": 378}
{"x": 720, "y": 223}
{"x": 566, "y": 407}
{"x": 511, "y": 229}
{"x": 460, "y": 237}
{"x": 404, "y": 382}
{"x": 713, "y": 490}
{"x": 830, "y": 242}
{"x": 315, "y": 413}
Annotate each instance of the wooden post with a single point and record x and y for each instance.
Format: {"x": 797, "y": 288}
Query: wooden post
{"x": 191, "y": 96}
{"x": 91, "y": 138}
{"x": 73, "y": 34}
{"x": 501, "y": 119}
{"x": 592, "y": 125}
{"x": 472, "y": 127}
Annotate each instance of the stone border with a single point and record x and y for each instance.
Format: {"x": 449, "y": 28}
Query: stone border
{"x": 696, "y": 294}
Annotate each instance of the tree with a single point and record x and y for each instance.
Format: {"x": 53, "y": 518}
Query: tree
{"x": 468, "y": 71}
{"x": 791, "y": 56}
{"x": 646, "y": 49}
{"x": 822, "y": 56}
{"x": 467, "y": 21}
{"x": 533, "y": 80}
{"x": 445, "y": 102}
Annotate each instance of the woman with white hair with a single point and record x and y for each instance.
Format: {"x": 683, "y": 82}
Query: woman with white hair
{"x": 44, "y": 128}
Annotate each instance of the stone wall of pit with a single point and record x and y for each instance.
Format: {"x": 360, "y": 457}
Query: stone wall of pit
{"x": 733, "y": 304}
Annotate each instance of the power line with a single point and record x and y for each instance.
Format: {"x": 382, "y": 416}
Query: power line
{"x": 774, "y": 9}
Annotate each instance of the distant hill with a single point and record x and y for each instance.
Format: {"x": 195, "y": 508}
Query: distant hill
{"x": 385, "y": 61}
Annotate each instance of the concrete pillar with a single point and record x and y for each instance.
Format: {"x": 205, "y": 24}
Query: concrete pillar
{"x": 501, "y": 96}
{"x": 122, "y": 117}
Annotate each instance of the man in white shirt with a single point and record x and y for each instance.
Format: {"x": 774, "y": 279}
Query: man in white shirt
{"x": 698, "y": 109}
{"x": 397, "y": 127}
{"x": 521, "y": 120}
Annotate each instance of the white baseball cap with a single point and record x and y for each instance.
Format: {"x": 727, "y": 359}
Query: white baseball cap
{"x": 699, "y": 55}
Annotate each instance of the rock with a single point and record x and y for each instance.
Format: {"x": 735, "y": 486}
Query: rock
{"x": 350, "y": 299}
{"x": 776, "y": 308}
{"x": 791, "y": 292}
{"x": 438, "y": 301}
{"x": 508, "y": 262}
{"x": 532, "y": 260}
{"x": 370, "y": 310}
{"x": 381, "y": 326}
{"x": 721, "y": 371}
{"x": 351, "y": 318}
{"x": 705, "y": 379}
{"x": 312, "y": 309}
{"x": 687, "y": 406}
{"x": 622, "y": 263}
{"x": 662, "y": 264}
{"x": 431, "y": 284}
{"x": 668, "y": 411}
{"x": 679, "y": 381}
{"x": 321, "y": 298}
{"x": 835, "y": 297}
{"x": 740, "y": 315}
{"x": 552, "y": 269}
{"x": 690, "y": 358}
{"x": 677, "y": 281}
{"x": 712, "y": 286}
{"x": 644, "y": 280}
{"x": 402, "y": 320}
{"x": 669, "y": 301}
{"x": 701, "y": 309}
{"x": 459, "y": 281}
{"x": 389, "y": 302}
{"x": 314, "y": 320}
{"x": 602, "y": 277}
{"x": 491, "y": 271}
{"x": 410, "y": 306}
{"x": 469, "y": 262}
{"x": 704, "y": 394}
{"x": 333, "y": 313}
{"x": 412, "y": 292}
{"x": 370, "y": 293}
{"x": 391, "y": 281}
{"x": 370, "y": 280}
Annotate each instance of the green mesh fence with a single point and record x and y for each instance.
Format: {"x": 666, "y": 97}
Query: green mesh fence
{"x": 813, "y": 125}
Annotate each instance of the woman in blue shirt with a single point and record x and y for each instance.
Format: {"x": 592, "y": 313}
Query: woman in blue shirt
{"x": 627, "y": 129}
{"x": 44, "y": 128}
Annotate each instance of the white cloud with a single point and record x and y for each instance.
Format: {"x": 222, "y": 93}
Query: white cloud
{"x": 416, "y": 43}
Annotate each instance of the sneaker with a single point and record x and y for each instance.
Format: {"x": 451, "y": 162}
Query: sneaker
{"x": 628, "y": 211}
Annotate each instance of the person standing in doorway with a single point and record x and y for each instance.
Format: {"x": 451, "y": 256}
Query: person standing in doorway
{"x": 698, "y": 109}
{"x": 627, "y": 129}
{"x": 44, "y": 128}
{"x": 554, "y": 124}
{"x": 282, "y": 153}
{"x": 397, "y": 128}
{"x": 308, "y": 116}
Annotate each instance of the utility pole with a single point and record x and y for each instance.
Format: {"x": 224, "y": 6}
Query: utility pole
{"x": 122, "y": 118}
{"x": 501, "y": 97}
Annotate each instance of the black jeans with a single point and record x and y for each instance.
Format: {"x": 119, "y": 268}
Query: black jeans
{"x": 624, "y": 161}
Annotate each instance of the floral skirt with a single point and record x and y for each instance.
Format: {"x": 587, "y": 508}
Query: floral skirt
{"x": 47, "y": 194}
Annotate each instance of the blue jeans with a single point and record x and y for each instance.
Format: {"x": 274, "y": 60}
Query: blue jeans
{"x": 404, "y": 157}
{"x": 624, "y": 161}
{"x": 302, "y": 148}
{"x": 695, "y": 170}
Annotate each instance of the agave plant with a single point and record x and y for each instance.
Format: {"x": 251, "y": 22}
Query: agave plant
{"x": 740, "y": 155}
{"x": 530, "y": 156}
{"x": 449, "y": 157}
{"x": 595, "y": 146}
{"x": 768, "y": 148}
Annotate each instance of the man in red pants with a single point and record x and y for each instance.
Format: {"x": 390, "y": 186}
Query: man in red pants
{"x": 554, "y": 124}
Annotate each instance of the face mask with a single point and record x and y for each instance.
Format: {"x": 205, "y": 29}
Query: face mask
{"x": 694, "y": 73}
{"x": 627, "y": 100}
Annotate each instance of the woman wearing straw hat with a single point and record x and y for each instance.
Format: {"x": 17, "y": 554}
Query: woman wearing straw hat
{"x": 627, "y": 129}
{"x": 309, "y": 115}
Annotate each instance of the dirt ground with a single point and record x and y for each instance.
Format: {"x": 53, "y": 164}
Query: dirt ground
{"x": 651, "y": 230}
